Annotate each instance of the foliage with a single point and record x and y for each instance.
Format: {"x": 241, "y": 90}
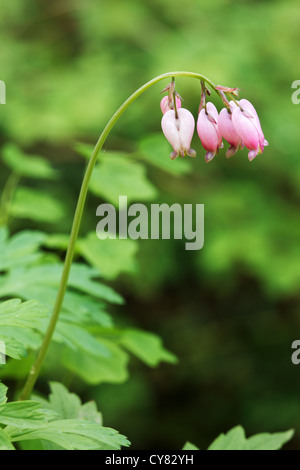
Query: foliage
{"x": 61, "y": 423}
{"x": 235, "y": 439}
{"x": 229, "y": 312}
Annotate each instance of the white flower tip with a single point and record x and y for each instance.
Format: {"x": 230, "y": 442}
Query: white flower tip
{"x": 209, "y": 156}
{"x": 231, "y": 151}
{"x": 252, "y": 154}
{"x": 192, "y": 153}
{"x": 174, "y": 155}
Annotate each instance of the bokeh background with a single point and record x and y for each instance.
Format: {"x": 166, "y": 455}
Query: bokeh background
{"x": 229, "y": 312}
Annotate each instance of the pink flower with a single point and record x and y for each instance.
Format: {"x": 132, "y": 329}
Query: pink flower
{"x": 208, "y": 131}
{"x": 247, "y": 125}
{"x": 245, "y": 104}
{"x": 227, "y": 130}
{"x": 166, "y": 104}
{"x": 179, "y": 131}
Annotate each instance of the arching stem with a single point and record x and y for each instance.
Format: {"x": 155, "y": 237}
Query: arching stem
{"x": 36, "y": 368}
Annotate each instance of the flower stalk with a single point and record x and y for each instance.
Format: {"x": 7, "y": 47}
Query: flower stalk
{"x": 38, "y": 363}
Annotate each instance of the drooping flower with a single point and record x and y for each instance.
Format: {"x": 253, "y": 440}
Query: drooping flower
{"x": 228, "y": 131}
{"x": 246, "y": 105}
{"x": 179, "y": 131}
{"x": 167, "y": 103}
{"x": 208, "y": 131}
{"x": 247, "y": 125}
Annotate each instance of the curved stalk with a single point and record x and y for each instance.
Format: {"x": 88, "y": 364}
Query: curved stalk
{"x": 35, "y": 370}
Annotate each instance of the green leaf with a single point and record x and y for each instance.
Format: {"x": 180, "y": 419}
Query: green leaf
{"x": 115, "y": 175}
{"x": 80, "y": 339}
{"x": 189, "y": 446}
{"x": 3, "y": 392}
{"x": 20, "y": 314}
{"x": 35, "y": 204}
{"x": 85, "y": 309}
{"x": 16, "y": 315}
{"x": 156, "y": 150}
{"x": 75, "y": 434}
{"x": 111, "y": 256}
{"x": 266, "y": 441}
{"x": 147, "y": 346}
{"x": 41, "y": 281}
{"x": 93, "y": 371}
{"x": 20, "y": 249}
{"x": 235, "y": 439}
{"x": 24, "y": 414}
{"x": 69, "y": 406}
{"x": 5, "y": 443}
{"x": 25, "y": 165}
{"x": 13, "y": 348}
{"x": 62, "y": 421}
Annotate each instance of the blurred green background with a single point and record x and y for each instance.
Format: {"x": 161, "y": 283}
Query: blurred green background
{"x": 229, "y": 312}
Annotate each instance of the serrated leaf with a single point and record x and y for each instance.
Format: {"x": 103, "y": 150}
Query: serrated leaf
{"x": 28, "y": 421}
{"x": 20, "y": 249}
{"x": 115, "y": 176}
{"x": 235, "y": 439}
{"x": 76, "y": 434}
{"x": 20, "y": 314}
{"x": 147, "y": 346}
{"x": 41, "y": 281}
{"x": 69, "y": 406}
{"x": 16, "y": 315}
{"x": 87, "y": 309}
{"x": 24, "y": 414}
{"x": 5, "y": 443}
{"x": 13, "y": 348}
{"x": 189, "y": 446}
{"x": 3, "y": 392}
{"x": 266, "y": 441}
{"x": 90, "y": 412}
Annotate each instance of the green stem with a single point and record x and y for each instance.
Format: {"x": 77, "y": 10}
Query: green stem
{"x": 35, "y": 370}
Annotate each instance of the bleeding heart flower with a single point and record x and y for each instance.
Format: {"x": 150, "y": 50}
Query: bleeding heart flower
{"x": 208, "y": 131}
{"x": 228, "y": 131}
{"x": 247, "y": 125}
{"x": 246, "y": 105}
{"x": 179, "y": 131}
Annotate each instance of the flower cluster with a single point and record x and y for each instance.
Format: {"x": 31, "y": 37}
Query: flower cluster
{"x": 238, "y": 123}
